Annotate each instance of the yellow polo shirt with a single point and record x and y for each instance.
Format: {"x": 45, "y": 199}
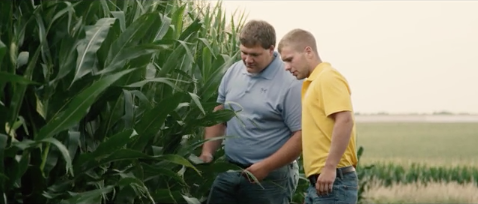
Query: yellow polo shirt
{"x": 324, "y": 92}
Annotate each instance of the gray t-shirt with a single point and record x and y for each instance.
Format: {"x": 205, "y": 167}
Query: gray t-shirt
{"x": 270, "y": 104}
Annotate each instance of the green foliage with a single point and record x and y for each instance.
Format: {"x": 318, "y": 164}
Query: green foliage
{"x": 363, "y": 174}
{"x": 99, "y": 99}
{"x": 389, "y": 174}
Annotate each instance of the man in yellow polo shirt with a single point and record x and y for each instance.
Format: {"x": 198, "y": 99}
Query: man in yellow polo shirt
{"x": 328, "y": 129}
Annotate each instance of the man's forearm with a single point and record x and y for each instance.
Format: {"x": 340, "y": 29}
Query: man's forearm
{"x": 212, "y": 132}
{"x": 340, "y": 140}
{"x": 287, "y": 153}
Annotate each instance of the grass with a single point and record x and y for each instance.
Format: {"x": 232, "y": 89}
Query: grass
{"x": 431, "y": 143}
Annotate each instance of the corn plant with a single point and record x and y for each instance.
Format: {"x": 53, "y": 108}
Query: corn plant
{"x": 98, "y": 99}
{"x": 364, "y": 174}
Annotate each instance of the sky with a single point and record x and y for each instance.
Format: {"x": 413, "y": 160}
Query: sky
{"x": 398, "y": 57}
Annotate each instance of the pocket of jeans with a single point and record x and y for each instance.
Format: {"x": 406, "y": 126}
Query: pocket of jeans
{"x": 349, "y": 182}
{"x": 327, "y": 198}
{"x": 279, "y": 174}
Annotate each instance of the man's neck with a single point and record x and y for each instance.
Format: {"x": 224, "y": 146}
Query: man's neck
{"x": 271, "y": 59}
{"x": 313, "y": 64}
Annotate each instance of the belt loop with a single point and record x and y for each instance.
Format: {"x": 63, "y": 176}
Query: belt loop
{"x": 339, "y": 170}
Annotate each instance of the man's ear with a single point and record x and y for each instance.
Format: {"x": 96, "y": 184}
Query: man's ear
{"x": 271, "y": 49}
{"x": 308, "y": 50}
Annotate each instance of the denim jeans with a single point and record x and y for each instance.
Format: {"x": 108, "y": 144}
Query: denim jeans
{"x": 277, "y": 188}
{"x": 345, "y": 190}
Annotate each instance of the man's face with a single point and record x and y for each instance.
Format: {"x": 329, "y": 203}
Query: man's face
{"x": 256, "y": 58}
{"x": 295, "y": 62}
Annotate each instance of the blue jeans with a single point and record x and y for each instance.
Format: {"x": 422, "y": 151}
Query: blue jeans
{"x": 277, "y": 188}
{"x": 345, "y": 190}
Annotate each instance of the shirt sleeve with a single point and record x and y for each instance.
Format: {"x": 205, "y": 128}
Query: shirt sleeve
{"x": 335, "y": 94}
{"x": 292, "y": 112}
{"x": 221, "y": 96}
{"x": 222, "y": 90}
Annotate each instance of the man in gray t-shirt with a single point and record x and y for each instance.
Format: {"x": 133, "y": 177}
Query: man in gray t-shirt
{"x": 267, "y": 131}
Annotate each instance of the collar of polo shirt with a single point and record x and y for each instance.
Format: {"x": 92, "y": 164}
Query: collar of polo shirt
{"x": 317, "y": 70}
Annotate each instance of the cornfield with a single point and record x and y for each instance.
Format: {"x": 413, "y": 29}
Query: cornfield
{"x": 389, "y": 174}
{"x": 105, "y": 101}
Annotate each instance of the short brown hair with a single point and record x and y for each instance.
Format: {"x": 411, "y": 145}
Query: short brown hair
{"x": 258, "y": 32}
{"x": 298, "y": 39}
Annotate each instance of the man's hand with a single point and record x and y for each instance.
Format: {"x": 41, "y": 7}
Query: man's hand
{"x": 259, "y": 170}
{"x": 206, "y": 157}
{"x": 284, "y": 156}
{"x": 211, "y": 146}
{"x": 325, "y": 182}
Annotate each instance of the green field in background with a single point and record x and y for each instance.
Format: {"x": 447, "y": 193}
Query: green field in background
{"x": 432, "y": 143}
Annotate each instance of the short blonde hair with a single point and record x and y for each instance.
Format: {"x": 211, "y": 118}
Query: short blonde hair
{"x": 258, "y": 32}
{"x": 298, "y": 39}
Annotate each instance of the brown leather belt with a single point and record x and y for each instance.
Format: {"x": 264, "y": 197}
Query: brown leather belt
{"x": 340, "y": 172}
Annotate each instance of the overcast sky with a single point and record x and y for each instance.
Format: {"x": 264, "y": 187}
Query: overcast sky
{"x": 410, "y": 56}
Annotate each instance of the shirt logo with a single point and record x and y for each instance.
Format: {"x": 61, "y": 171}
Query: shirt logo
{"x": 263, "y": 90}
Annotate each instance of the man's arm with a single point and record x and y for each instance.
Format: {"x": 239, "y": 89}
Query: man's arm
{"x": 336, "y": 100}
{"x": 337, "y": 104}
{"x": 340, "y": 138}
{"x": 286, "y": 154}
{"x": 210, "y": 147}
{"x": 218, "y": 130}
